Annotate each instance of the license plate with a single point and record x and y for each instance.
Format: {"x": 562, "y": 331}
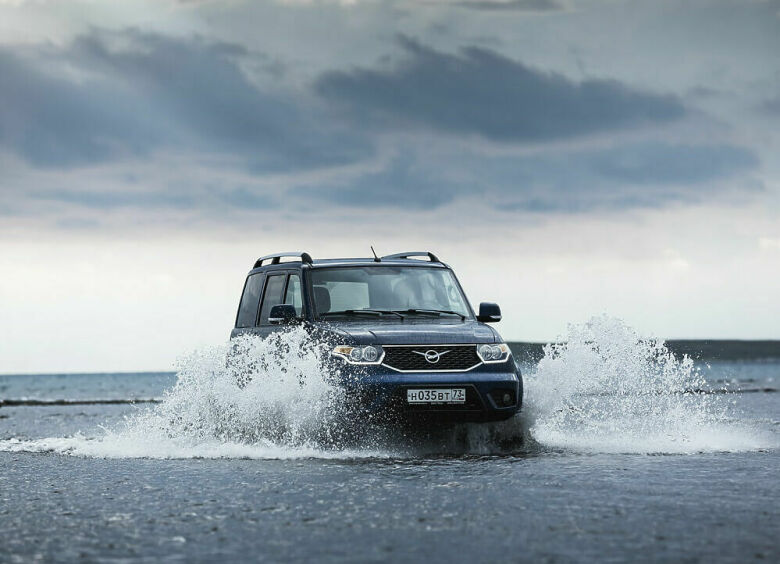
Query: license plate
{"x": 436, "y": 395}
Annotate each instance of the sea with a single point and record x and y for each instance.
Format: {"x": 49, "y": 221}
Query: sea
{"x": 627, "y": 449}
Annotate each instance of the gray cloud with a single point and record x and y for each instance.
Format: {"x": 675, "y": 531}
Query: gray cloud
{"x": 175, "y": 197}
{"x": 510, "y": 5}
{"x": 77, "y": 224}
{"x": 109, "y": 96}
{"x": 664, "y": 164}
{"x": 119, "y": 198}
{"x": 770, "y": 107}
{"x": 480, "y": 91}
{"x": 248, "y": 199}
{"x": 640, "y": 175}
{"x": 54, "y": 121}
{"x": 155, "y": 92}
{"x": 407, "y": 182}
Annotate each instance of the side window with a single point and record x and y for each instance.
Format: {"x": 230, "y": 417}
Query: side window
{"x": 247, "y": 311}
{"x": 293, "y": 295}
{"x": 273, "y": 296}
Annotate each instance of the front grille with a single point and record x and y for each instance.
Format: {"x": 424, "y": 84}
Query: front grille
{"x": 410, "y": 358}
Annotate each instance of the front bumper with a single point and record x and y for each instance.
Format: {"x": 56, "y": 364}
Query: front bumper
{"x": 379, "y": 390}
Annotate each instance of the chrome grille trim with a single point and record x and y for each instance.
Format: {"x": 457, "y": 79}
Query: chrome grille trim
{"x": 424, "y": 347}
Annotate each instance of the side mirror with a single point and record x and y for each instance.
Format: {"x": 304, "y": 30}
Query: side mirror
{"x": 489, "y": 312}
{"x": 282, "y": 314}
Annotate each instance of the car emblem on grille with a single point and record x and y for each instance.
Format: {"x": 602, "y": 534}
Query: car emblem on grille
{"x": 431, "y": 356}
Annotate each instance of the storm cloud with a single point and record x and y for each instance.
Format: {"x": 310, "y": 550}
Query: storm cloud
{"x": 185, "y": 124}
{"x": 514, "y": 5}
{"x": 128, "y": 94}
{"x": 53, "y": 120}
{"x": 770, "y": 107}
{"x": 639, "y": 175}
{"x": 479, "y": 91}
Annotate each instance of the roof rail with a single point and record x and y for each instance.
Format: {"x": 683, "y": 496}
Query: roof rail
{"x": 431, "y": 256}
{"x": 274, "y": 258}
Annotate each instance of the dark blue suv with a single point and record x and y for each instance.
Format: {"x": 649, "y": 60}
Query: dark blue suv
{"x": 400, "y": 330}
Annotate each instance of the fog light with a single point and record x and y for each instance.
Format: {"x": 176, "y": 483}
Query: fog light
{"x": 507, "y": 399}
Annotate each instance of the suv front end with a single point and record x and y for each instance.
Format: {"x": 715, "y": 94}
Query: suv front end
{"x": 399, "y": 333}
{"x": 452, "y": 381}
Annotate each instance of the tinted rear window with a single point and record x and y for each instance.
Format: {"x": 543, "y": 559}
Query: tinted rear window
{"x": 247, "y": 311}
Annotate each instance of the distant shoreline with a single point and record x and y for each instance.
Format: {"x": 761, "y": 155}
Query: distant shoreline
{"x": 699, "y": 349}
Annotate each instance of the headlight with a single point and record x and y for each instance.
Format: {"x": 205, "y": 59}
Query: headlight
{"x": 368, "y": 354}
{"x": 493, "y": 353}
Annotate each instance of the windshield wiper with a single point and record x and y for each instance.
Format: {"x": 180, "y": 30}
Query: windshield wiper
{"x": 433, "y": 311}
{"x": 363, "y": 311}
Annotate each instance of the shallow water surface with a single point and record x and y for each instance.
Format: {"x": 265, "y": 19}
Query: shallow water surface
{"x": 546, "y": 507}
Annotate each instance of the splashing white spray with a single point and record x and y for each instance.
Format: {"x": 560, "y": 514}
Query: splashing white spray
{"x": 250, "y": 398}
{"x": 253, "y": 389}
{"x": 605, "y": 388}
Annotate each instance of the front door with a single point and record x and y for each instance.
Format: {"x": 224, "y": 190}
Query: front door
{"x": 280, "y": 288}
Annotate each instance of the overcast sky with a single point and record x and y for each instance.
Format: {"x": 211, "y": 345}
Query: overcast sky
{"x": 567, "y": 158}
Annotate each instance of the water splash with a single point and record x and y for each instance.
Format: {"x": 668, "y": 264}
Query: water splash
{"x": 276, "y": 389}
{"x": 250, "y": 398}
{"x": 605, "y": 388}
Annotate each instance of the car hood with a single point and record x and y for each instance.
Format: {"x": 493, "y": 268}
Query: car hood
{"x": 411, "y": 333}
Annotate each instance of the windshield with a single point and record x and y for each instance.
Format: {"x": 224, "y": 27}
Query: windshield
{"x": 381, "y": 289}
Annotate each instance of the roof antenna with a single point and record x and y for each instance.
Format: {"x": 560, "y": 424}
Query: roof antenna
{"x": 376, "y": 258}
